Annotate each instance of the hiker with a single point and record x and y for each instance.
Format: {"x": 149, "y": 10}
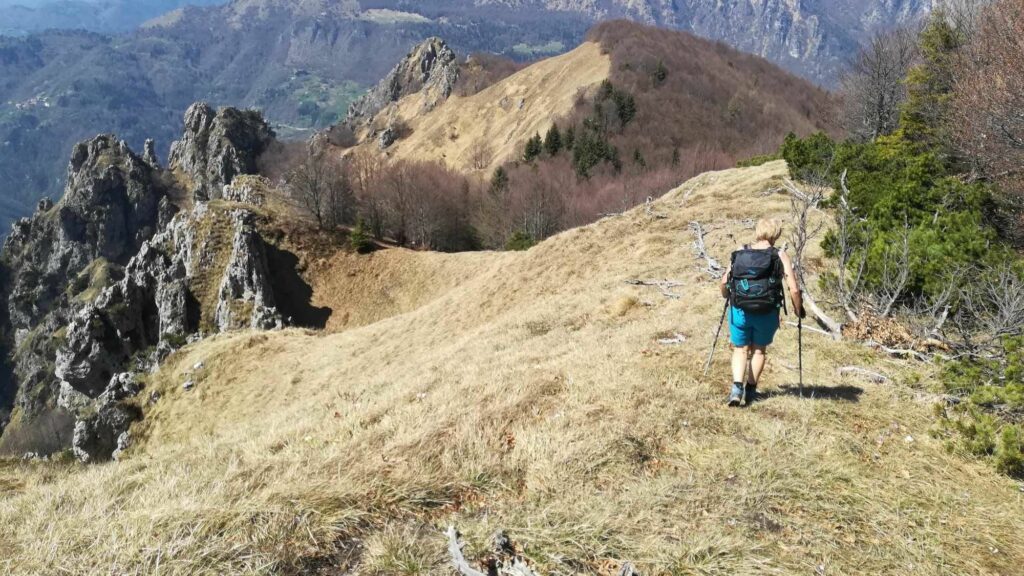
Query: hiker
{"x": 753, "y": 284}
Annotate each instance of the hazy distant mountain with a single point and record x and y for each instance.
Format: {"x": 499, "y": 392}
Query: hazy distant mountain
{"x": 812, "y": 38}
{"x": 20, "y": 17}
{"x": 303, "y": 61}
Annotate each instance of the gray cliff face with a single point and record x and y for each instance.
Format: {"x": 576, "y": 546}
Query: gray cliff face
{"x": 431, "y": 68}
{"x": 812, "y": 38}
{"x": 108, "y": 211}
{"x": 109, "y": 281}
{"x": 245, "y": 297}
{"x": 217, "y": 146}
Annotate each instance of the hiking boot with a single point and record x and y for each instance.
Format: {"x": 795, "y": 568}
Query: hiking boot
{"x": 751, "y": 394}
{"x": 736, "y": 396}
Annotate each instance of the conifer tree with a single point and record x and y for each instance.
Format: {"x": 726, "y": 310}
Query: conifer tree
{"x": 570, "y": 138}
{"x": 534, "y": 147}
{"x": 499, "y": 182}
{"x": 638, "y": 158}
{"x": 553, "y": 141}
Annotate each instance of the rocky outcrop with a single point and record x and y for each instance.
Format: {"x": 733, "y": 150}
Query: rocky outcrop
{"x": 245, "y": 297}
{"x": 217, "y": 146}
{"x": 108, "y": 211}
{"x": 430, "y": 69}
{"x": 149, "y": 153}
{"x": 110, "y": 280}
{"x": 247, "y": 190}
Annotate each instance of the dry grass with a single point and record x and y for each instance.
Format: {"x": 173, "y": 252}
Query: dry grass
{"x": 525, "y": 395}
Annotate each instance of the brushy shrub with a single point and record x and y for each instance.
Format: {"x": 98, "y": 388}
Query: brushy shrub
{"x": 756, "y": 160}
{"x": 898, "y": 189}
{"x": 988, "y": 420}
{"x": 520, "y": 241}
{"x": 359, "y": 239}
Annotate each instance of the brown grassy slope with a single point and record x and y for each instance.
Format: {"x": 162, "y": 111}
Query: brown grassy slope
{"x": 715, "y": 102}
{"x": 713, "y": 99}
{"x": 532, "y": 397}
{"x": 500, "y": 116}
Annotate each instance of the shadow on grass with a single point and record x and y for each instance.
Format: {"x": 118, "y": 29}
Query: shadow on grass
{"x": 842, "y": 393}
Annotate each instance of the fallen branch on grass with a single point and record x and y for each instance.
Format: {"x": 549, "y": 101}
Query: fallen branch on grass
{"x": 900, "y": 352}
{"x": 649, "y": 209}
{"x": 872, "y": 376}
{"x": 714, "y": 268}
{"x": 664, "y": 285}
{"x": 677, "y": 339}
{"x": 504, "y": 549}
{"x": 455, "y": 551}
{"x": 812, "y": 329}
{"x": 834, "y": 328}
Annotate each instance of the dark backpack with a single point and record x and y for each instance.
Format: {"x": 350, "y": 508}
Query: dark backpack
{"x": 755, "y": 280}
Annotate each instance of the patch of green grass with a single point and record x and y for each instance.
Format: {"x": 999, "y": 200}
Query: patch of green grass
{"x": 533, "y": 50}
{"x": 321, "y": 102}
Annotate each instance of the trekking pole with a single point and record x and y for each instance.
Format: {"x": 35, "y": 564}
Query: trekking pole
{"x": 707, "y": 365}
{"x": 800, "y": 351}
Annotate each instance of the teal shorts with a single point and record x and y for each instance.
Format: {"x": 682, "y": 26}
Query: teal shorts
{"x": 752, "y": 329}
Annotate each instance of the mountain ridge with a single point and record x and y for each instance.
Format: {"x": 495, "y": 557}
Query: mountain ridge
{"x": 535, "y": 397}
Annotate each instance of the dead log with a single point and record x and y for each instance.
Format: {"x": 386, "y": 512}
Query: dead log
{"x": 458, "y": 561}
{"x": 898, "y": 352}
{"x": 872, "y": 376}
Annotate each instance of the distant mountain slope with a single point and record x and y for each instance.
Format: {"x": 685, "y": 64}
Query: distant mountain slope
{"x": 19, "y": 17}
{"x": 299, "y": 63}
{"x": 711, "y": 99}
{"x": 304, "y": 61}
{"x": 501, "y": 117}
{"x": 812, "y": 38}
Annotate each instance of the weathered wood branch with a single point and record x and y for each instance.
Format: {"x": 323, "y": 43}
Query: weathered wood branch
{"x": 628, "y": 570}
{"x": 812, "y": 329}
{"x": 899, "y": 352}
{"x": 664, "y": 285}
{"x": 458, "y": 561}
{"x": 835, "y": 329}
{"x": 649, "y": 209}
{"x": 876, "y": 377}
{"x": 714, "y": 268}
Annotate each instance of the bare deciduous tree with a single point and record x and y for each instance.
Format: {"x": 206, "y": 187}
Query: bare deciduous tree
{"x": 895, "y": 273}
{"x": 874, "y": 88}
{"x": 851, "y": 250}
{"x": 989, "y": 96}
{"x": 320, "y": 185}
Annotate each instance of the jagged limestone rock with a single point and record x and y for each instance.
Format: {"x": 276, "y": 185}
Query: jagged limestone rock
{"x": 149, "y": 153}
{"x": 431, "y": 68}
{"x": 247, "y": 190}
{"x": 387, "y": 138}
{"x": 100, "y": 285}
{"x": 217, "y": 146}
{"x": 96, "y": 435}
{"x": 65, "y": 253}
{"x": 245, "y": 297}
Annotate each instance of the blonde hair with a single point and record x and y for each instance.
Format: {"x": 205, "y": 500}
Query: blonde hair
{"x": 768, "y": 229}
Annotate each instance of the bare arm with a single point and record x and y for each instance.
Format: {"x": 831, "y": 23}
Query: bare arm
{"x": 723, "y": 286}
{"x": 795, "y": 293}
